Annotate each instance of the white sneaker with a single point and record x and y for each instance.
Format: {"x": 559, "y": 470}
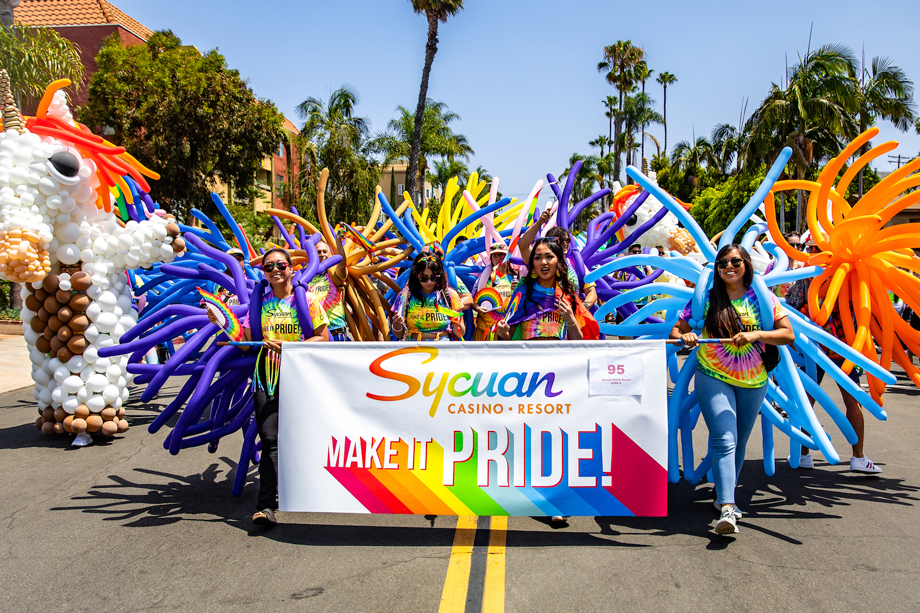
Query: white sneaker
{"x": 805, "y": 461}
{"x": 735, "y": 508}
{"x": 727, "y": 523}
{"x": 83, "y": 439}
{"x": 864, "y": 465}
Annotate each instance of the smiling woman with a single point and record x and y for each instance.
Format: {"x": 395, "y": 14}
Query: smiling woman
{"x": 731, "y": 380}
{"x": 427, "y": 309}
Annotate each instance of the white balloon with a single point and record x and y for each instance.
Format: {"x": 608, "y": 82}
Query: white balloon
{"x": 95, "y": 404}
{"x": 104, "y": 340}
{"x": 117, "y": 404}
{"x": 40, "y": 376}
{"x": 90, "y": 334}
{"x": 29, "y": 334}
{"x": 36, "y": 356}
{"x": 102, "y": 364}
{"x": 113, "y": 373}
{"x": 68, "y": 254}
{"x": 83, "y": 394}
{"x": 70, "y": 404}
{"x": 96, "y": 383}
{"x": 118, "y": 331}
{"x": 107, "y": 300}
{"x": 72, "y": 384}
{"x": 105, "y": 322}
{"x": 76, "y": 364}
{"x": 61, "y": 373}
{"x": 45, "y": 395}
{"x": 110, "y": 394}
{"x": 58, "y": 395}
{"x": 86, "y": 373}
{"x": 93, "y": 311}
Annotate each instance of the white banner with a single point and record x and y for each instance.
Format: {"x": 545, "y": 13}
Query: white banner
{"x": 474, "y": 428}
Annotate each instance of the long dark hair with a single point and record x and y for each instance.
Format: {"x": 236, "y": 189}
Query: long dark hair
{"x": 562, "y": 270}
{"x": 423, "y": 261}
{"x": 284, "y": 252}
{"x": 721, "y": 318}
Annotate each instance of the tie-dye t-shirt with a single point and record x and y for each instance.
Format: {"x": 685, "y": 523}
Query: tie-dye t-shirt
{"x": 330, "y": 296}
{"x": 738, "y": 366}
{"x": 279, "y": 318}
{"x": 423, "y": 315}
{"x": 547, "y": 325}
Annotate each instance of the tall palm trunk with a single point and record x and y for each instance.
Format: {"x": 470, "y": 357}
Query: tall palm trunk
{"x": 431, "y": 48}
{"x": 618, "y": 125}
{"x": 665, "y": 106}
{"x": 642, "y": 129}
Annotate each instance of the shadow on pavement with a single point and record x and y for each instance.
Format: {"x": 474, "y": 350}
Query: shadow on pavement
{"x": 166, "y": 498}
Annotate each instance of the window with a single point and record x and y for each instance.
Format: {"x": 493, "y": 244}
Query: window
{"x": 281, "y": 150}
{"x": 400, "y": 188}
{"x": 279, "y": 186}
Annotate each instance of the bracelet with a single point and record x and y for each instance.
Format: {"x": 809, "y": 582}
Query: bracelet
{"x": 400, "y": 329}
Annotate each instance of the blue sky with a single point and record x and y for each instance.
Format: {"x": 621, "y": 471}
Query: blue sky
{"x": 522, "y": 73}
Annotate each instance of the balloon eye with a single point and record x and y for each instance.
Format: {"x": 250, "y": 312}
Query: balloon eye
{"x": 632, "y": 221}
{"x": 65, "y": 163}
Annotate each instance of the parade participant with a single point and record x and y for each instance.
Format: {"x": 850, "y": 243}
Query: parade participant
{"x": 544, "y": 304}
{"x": 280, "y": 323}
{"x": 427, "y": 309}
{"x": 466, "y": 298}
{"x": 561, "y": 234}
{"x": 329, "y": 287}
{"x": 731, "y": 381}
{"x": 797, "y": 298}
{"x": 504, "y": 279}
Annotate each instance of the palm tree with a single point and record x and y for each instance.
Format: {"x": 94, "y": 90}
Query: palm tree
{"x": 727, "y": 144}
{"x": 691, "y": 158}
{"x": 813, "y": 115}
{"x": 34, "y": 57}
{"x": 637, "y": 113}
{"x": 435, "y": 11}
{"x": 885, "y": 92}
{"x": 619, "y": 64}
{"x": 444, "y": 171}
{"x": 336, "y": 114}
{"x": 437, "y": 138}
{"x": 643, "y": 73}
{"x": 664, "y": 79}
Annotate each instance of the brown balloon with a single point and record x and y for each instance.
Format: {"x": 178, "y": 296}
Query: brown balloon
{"x": 108, "y": 413}
{"x": 65, "y": 314}
{"x": 56, "y": 344}
{"x": 64, "y": 354}
{"x": 41, "y": 294}
{"x": 77, "y": 344}
{"x": 172, "y": 230}
{"x": 59, "y": 414}
{"x": 43, "y": 314}
{"x": 62, "y": 296}
{"x": 120, "y": 412}
{"x": 80, "y": 281}
{"x": 43, "y": 344}
{"x": 32, "y": 303}
{"x": 39, "y": 422}
{"x": 51, "y": 283}
{"x": 48, "y": 414}
{"x": 51, "y": 304}
{"x": 38, "y": 325}
{"x": 48, "y": 333}
{"x": 178, "y": 244}
{"x": 54, "y": 323}
{"x": 48, "y": 428}
{"x": 58, "y": 428}
{"x": 66, "y": 423}
{"x": 78, "y": 424}
{"x": 79, "y": 303}
{"x": 122, "y": 425}
{"x": 93, "y": 423}
{"x": 109, "y": 428}
{"x": 64, "y": 333}
{"x": 78, "y": 323}
{"x": 82, "y": 411}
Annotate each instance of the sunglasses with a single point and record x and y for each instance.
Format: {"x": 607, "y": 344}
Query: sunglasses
{"x": 281, "y": 266}
{"x": 798, "y": 246}
{"x": 635, "y": 252}
{"x": 427, "y": 278}
{"x": 735, "y": 262}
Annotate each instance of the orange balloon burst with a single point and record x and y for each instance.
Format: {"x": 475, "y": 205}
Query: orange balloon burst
{"x": 861, "y": 259}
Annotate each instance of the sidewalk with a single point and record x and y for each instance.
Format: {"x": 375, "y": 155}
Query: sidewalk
{"x": 15, "y": 367}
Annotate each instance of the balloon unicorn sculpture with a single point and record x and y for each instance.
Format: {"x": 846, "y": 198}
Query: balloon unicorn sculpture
{"x": 58, "y": 186}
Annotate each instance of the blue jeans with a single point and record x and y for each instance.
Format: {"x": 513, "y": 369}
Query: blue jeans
{"x": 730, "y": 413}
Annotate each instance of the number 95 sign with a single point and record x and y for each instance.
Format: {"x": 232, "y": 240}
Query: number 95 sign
{"x": 615, "y": 375}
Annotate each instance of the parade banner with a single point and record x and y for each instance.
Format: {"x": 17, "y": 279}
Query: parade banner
{"x": 474, "y": 428}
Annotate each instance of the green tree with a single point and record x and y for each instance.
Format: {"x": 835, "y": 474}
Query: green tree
{"x": 184, "y": 114}
{"x": 437, "y": 137}
{"x": 664, "y": 79}
{"x": 334, "y": 137}
{"x": 637, "y": 113}
{"x": 813, "y": 114}
{"x": 727, "y": 144}
{"x": 435, "y": 11}
{"x": 444, "y": 171}
{"x": 883, "y": 91}
{"x": 714, "y": 207}
{"x": 620, "y": 67}
{"x": 34, "y": 57}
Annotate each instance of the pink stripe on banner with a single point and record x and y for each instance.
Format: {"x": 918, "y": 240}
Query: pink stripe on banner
{"x": 357, "y": 489}
{"x": 639, "y": 482}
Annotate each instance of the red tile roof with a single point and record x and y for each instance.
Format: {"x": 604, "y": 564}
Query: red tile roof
{"x": 77, "y": 13}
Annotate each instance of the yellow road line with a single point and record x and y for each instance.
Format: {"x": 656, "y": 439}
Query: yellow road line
{"x": 453, "y": 597}
{"x": 493, "y": 598}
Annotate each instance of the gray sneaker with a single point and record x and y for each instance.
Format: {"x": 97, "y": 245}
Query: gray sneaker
{"x": 727, "y": 523}
{"x": 737, "y": 511}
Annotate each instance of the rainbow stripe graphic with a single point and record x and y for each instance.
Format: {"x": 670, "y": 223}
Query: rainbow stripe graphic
{"x": 637, "y": 487}
{"x": 357, "y": 238}
{"x": 227, "y": 321}
{"x": 489, "y": 299}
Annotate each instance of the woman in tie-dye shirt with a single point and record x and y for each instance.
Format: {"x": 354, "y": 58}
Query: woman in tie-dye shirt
{"x": 731, "y": 381}
{"x": 427, "y": 309}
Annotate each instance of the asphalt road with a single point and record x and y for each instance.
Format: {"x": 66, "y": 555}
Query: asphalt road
{"x": 122, "y": 525}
